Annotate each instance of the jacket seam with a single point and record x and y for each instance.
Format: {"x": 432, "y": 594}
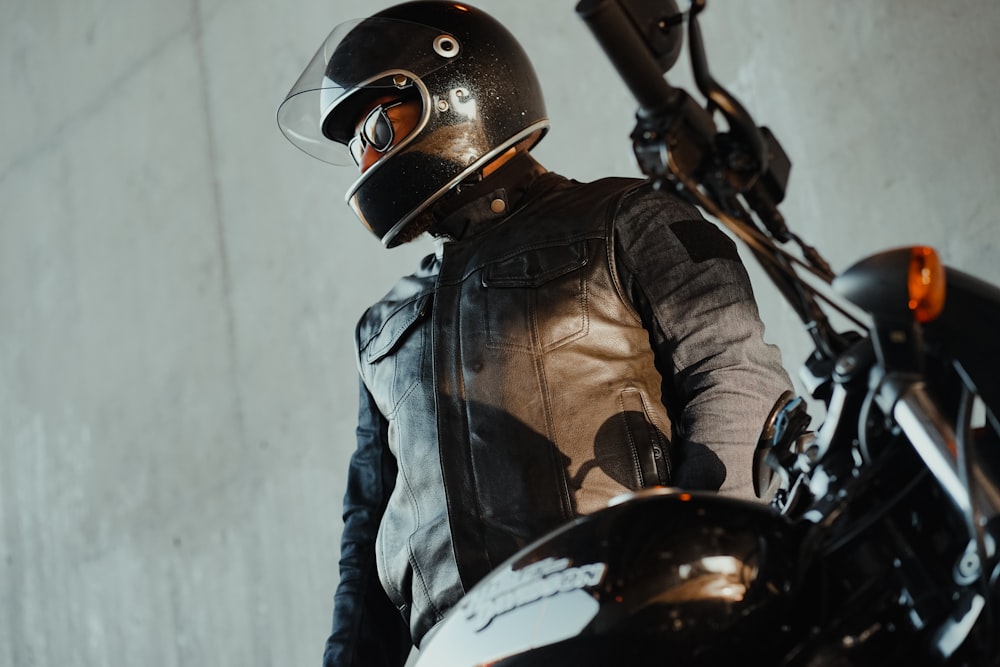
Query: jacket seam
{"x": 611, "y": 227}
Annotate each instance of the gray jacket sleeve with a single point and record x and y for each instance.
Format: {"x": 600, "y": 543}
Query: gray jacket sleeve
{"x": 721, "y": 379}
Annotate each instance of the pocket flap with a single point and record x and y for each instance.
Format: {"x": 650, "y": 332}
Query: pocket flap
{"x": 536, "y": 267}
{"x": 395, "y": 327}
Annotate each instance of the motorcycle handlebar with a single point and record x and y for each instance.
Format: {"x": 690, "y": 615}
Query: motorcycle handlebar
{"x": 630, "y": 55}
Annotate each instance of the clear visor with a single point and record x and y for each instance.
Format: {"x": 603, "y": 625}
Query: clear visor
{"x": 359, "y": 62}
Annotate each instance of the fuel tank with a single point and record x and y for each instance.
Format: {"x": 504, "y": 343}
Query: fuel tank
{"x": 658, "y": 577}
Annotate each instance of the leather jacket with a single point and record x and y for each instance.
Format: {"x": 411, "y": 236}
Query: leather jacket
{"x": 568, "y": 343}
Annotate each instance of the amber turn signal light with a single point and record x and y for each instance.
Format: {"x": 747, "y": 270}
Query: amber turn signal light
{"x": 925, "y": 284}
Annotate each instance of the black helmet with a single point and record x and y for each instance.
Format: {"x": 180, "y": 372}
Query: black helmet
{"x": 479, "y": 93}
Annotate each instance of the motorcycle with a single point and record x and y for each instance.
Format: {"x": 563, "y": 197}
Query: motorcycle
{"x": 879, "y": 542}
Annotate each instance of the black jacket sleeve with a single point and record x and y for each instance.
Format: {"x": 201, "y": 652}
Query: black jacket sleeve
{"x": 368, "y": 630}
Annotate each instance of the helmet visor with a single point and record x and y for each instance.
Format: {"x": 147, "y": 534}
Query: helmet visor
{"x": 358, "y": 63}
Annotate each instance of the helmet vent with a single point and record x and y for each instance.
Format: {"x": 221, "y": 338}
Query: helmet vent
{"x": 446, "y": 46}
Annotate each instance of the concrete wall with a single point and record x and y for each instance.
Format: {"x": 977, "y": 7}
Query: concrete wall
{"x": 178, "y": 284}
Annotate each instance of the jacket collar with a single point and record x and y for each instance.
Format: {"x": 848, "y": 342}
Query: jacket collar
{"x": 472, "y": 208}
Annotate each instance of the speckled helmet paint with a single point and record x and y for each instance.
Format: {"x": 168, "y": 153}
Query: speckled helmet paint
{"x": 479, "y": 92}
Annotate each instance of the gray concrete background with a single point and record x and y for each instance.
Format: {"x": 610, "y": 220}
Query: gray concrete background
{"x": 178, "y": 284}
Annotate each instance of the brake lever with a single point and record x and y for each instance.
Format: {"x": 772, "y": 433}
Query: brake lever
{"x": 740, "y": 122}
{"x": 756, "y": 165}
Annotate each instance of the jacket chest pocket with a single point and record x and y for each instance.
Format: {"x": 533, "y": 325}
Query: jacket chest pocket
{"x": 537, "y": 300}
{"x": 395, "y": 357}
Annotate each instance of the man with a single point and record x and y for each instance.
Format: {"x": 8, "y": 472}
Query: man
{"x": 566, "y": 343}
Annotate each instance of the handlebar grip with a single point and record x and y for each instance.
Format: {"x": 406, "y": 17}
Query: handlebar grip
{"x": 630, "y": 55}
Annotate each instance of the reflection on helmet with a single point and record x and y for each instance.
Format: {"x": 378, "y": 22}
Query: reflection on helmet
{"x": 478, "y": 89}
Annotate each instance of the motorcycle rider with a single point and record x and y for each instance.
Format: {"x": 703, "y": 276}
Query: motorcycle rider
{"x": 565, "y": 342}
